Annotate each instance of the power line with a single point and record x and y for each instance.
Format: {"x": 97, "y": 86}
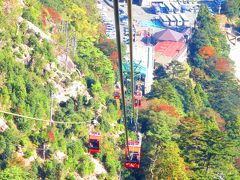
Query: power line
{"x": 43, "y": 120}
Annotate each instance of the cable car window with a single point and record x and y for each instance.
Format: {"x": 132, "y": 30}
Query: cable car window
{"x": 94, "y": 144}
{"x": 133, "y": 157}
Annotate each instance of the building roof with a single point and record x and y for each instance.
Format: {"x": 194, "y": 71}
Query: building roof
{"x": 168, "y": 35}
{"x": 171, "y": 18}
{"x": 164, "y": 17}
{"x": 184, "y": 17}
{"x": 178, "y": 17}
{"x": 137, "y": 68}
{"x": 169, "y": 48}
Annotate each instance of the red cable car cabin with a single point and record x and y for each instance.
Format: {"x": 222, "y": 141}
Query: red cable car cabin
{"x": 133, "y": 156}
{"x": 94, "y": 142}
{"x": 117, "y": 93}
{"x": 137, "y": 98}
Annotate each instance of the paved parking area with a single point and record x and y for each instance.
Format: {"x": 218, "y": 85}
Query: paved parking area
{"x": 145, "y": 14}
{"x": 142, "y": 19}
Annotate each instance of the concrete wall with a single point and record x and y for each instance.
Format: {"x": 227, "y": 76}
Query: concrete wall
{"x": 144, "y": 55}
{"x": 150, "y": 69}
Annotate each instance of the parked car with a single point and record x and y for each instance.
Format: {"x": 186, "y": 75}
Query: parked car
{"x": 121, "y": 11}
{"x": 127, "y": 31}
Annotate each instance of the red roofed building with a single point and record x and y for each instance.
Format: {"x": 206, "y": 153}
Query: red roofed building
{"x": 166, "y": 51}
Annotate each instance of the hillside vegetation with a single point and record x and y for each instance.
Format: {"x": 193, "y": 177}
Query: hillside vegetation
{"x": 31, "y": 70}
{"x": 190, "y": 121}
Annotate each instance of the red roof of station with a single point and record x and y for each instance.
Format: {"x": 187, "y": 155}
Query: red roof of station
{"x": 169, "y": 48}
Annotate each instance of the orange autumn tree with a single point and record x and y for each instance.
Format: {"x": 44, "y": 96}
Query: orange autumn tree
{"x": 44, "y": 17}
{"x": 102, "y": 29}
{"x": 48, "y": 12}
{"x": 6, "y": 5}
{"x": 206, "y": 52}
{"x": 170, "y": 110}
{"x": 238, "y": 163}
{"x": 51, "y": 136}
{"x": 114, "y": 56}
{"x": 115, "y": 67}
{"x": 119, "y": 108}
{"x": 158, "y": 105}
{"x": 55, "y": 16}
{"x": 215, "y": 118}
{"x": 19, "y": 110}
{"x": 222, "y": 65}
{"x": 114, "y": 60}
{"x": 107, "y": 46}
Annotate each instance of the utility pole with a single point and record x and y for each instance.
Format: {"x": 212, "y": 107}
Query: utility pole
{"x": 74, "y": 45}
{"x": 51, "y": 110}
{"x": 66, "y": 46}
{"x": 219, "y": 8}
{"x": 44, "y": 151}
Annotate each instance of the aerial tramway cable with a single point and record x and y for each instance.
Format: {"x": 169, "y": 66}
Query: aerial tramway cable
{"x": 132, "y": 164}
{"x": 130, "y": 27}
{"x": 43, "y": 120}
{"x": 118, "y": 38}
{"x": 133, "y": 148}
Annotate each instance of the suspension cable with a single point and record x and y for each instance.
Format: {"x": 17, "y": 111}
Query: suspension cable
{"x": 118, "y": 38}
{"x": 43, "y": 120}
{"x": 129, "y": 5}
{"x": 136, "y": 122}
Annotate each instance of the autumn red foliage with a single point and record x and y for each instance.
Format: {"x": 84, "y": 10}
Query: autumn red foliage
{"x": 19, "y": 110}
{"x": 109, "y": 48}
{"x": 207, "y": 52}
{"x": 54, "y": 15}
{"x": 114, "y": 59}
{"x": 187, "y": 120}
{"x": 115, "y": 67}
{"x": 114, "y": 56}
{"x": 89, "y": 8}
{"x": 6, "y": 6}
{"x": 220, "y": 121}
{"x": 17, "y": 160}
{"x": 238, "y": 163}
{"x": 210, "y": 114}
{"x": 102, "y": 29}
{"x": 51, "y": 136}
{"x": 107, "y": 42}
{"x": 44, "y": 17}
{"x": 222, "y": 65}
{"x": 171, "y": 110}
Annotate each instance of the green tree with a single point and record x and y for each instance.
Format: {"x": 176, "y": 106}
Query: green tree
{"x": 176, "y": 70}
{"x": 165, "y": 90}
{"x": 205, "y": 149}
{"x": 13, "y": 172}
{"x": 162, "y": 158}
{"x": 231, "y": 8}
